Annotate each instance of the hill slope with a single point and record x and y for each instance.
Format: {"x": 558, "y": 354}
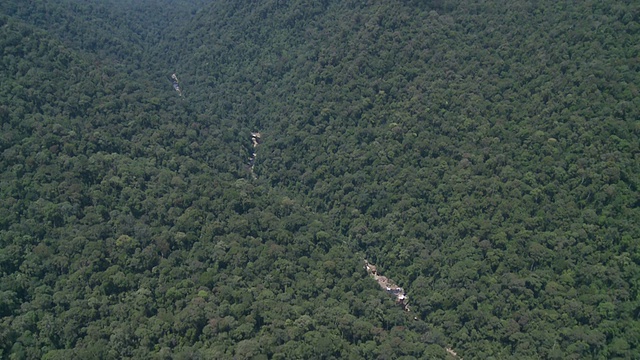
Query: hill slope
{"x": 484, "y": 156}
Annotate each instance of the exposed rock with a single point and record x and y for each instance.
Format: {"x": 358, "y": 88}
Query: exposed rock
{"x": 255, "y": 140}
{"x": 451, "y": 352}
{"x": 388, "y": 285}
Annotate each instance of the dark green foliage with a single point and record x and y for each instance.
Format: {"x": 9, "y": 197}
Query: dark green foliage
{"x": 482, "y": 155}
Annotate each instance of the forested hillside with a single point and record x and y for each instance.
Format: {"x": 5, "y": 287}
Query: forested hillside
{"x": 483, "y": 155}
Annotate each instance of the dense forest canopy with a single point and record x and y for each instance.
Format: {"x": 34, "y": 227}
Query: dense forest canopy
{"x": 484, "y": 155}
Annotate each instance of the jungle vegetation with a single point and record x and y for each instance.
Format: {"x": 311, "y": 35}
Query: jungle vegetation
{"x": 483, "y": 154}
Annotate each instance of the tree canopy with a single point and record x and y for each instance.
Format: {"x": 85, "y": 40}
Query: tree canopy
{"x": 485, "y": 156}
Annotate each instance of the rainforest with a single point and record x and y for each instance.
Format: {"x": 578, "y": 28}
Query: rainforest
{"x": 357, "y": 179}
